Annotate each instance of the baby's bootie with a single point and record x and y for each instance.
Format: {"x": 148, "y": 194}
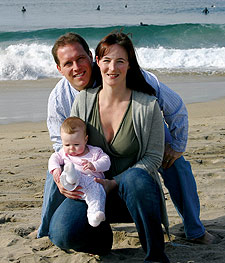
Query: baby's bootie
{"x": 96, "y": 218}
{"x": 69, "y": 177}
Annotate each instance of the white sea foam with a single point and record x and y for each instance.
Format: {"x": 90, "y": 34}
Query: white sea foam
{"x": 34, "y": 61}
{"x": 208, "y": 60}
{"x": 27, "y": 61}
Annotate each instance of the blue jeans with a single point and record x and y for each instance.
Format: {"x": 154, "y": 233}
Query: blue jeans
{"x": 181, "y": 184}
{"x": 137, "y": 199}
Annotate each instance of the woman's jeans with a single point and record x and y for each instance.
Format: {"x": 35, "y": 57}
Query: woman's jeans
{"x": 66, "y": 221}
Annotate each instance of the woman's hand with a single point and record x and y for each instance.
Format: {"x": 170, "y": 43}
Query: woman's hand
{"x": 108, "y": 185}
{"x": 75, "y": 194}
{"x": 56, "y": 174}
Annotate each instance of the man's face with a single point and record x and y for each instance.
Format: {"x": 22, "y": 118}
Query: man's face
{"x": 75, "y": 65}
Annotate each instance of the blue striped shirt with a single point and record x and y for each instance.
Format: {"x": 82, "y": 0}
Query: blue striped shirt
{"x": 174, "y": 111}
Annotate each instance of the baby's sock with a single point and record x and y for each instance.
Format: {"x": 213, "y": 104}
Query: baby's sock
{"x": 95, "y": 219}
{"x": 69, "y": 177}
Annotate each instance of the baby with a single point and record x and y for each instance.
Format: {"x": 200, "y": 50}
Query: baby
{"x": 82, "y": 163}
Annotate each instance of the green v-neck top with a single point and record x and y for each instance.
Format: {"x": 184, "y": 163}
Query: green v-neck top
{"x": 124, "y": 147}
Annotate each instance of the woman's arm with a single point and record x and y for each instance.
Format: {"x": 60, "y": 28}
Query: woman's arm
{"x": 151, "y": 137}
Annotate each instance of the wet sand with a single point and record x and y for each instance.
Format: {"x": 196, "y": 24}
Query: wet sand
{"x": 25, "y": 149}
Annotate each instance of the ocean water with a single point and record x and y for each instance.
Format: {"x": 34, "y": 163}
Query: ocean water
{"x": 177, "y": 38}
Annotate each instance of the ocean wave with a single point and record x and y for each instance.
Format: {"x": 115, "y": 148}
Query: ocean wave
{"x": 34, "y": 61}
{"x": 182, "y": 36}
{"x": 27, "y": 62}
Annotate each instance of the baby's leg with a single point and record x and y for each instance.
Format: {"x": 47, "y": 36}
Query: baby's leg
{"x": 95, "y": 199}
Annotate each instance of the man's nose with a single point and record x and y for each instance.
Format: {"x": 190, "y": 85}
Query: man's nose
{"x": 75, "y": 65}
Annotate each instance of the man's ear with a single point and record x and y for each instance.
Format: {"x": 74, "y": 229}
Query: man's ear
{"x": 90, "y": 55}
{"x": 86, "y": 138}
{"x": 59, "y": 69}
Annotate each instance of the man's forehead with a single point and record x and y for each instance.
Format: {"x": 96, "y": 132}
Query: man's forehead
{"x": 76, "y": 48}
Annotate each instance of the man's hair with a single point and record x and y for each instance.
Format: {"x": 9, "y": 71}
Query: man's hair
{"x": 68, "y": 39}
{"x": 73, "y": 124}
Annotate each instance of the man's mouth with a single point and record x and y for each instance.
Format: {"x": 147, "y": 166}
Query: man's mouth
{"x": 79, "y": 75}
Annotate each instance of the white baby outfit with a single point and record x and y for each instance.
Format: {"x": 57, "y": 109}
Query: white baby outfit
{"x": 74, "y": 175}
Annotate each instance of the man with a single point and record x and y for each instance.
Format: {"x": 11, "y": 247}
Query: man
{"x": 74, "y": 61}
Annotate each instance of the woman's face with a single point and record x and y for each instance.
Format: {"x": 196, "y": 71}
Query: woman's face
{"x": 114, "y": 66}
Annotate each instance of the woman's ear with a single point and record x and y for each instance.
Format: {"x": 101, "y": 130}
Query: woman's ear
{"x": 97, "y": 60}
{"x": 86, "y": 138}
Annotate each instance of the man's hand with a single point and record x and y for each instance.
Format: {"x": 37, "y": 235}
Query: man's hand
{"x": 170, "y": 156}
{"x": 75, "y": 194}
{"x": 108, "y": 185}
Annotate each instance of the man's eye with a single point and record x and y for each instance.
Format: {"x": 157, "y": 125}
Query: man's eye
{"x": 68, "y": 64}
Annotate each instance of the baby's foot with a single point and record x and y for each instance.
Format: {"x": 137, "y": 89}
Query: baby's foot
{"x": 95, "y": 219}
{"x": 69, "y": 177}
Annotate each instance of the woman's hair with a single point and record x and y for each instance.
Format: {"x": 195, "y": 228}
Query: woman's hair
{"x": 73, "y": 124}
{"x": 134, "y": 79}
{"x": 68, "y": 39}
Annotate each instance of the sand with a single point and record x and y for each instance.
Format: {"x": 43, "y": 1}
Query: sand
{"x": 25, "y": 149}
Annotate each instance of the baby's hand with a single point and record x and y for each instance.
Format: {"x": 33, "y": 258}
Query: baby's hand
{"x": 87, "y": 165}
{"x": 56, "y": 174}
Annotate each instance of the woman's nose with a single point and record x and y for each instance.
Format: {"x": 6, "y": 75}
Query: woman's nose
{"x": 112, "y": 66}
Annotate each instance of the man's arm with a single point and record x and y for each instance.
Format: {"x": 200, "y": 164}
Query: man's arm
{"x": 176, "y": 117}
{"x": 59, "y": 106}
{"x": 174, "y": 112}
{"x": 54, "y": 121}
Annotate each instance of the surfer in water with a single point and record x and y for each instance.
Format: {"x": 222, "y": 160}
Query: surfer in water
{"x": 141, "y": 24}
{"x": 205, "y": 11}
{"x": 23, "y": 9}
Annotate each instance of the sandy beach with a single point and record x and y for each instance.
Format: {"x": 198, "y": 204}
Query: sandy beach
{"x": 25, "y": 149}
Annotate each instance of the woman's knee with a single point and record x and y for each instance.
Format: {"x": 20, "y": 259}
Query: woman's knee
{"x": 137, "y": 179}
{"x": 69, "y": 229}
{"x": 68, "y": 223}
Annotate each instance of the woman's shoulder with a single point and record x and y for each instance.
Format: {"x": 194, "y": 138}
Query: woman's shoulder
{"x": 143, "y": 98}
{"x": 89, "y": 91}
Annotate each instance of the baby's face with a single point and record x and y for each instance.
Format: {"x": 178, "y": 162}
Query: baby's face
{"x": 74, "y": 144}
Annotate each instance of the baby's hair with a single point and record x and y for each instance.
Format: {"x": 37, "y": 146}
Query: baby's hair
{"x": 73, "y": 124}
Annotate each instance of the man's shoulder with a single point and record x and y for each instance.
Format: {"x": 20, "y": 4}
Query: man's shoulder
{"x": 150, "y": 78}
{"x": 60, "y": 89}
{"x": 63, "y": 83}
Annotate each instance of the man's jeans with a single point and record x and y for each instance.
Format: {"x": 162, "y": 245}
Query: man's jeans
{"x": 181, "y": 184}
{"x": 138, "y": 193}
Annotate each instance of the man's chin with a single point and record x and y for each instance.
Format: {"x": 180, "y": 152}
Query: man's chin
{"x": 79, "y": 86}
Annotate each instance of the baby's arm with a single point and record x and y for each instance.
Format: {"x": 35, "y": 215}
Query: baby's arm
{"x": 101, "y": 160}
{"x": 87, "y": 165}
{"x": 54, "y": 165}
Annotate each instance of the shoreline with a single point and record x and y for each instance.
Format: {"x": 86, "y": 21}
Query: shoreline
{"x": 26, "y": 100}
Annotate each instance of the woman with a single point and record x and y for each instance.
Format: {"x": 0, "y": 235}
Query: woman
{"x": 124, "y": 119}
